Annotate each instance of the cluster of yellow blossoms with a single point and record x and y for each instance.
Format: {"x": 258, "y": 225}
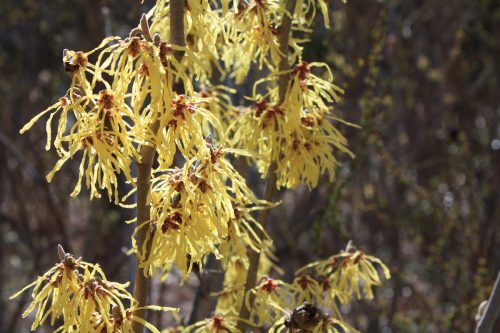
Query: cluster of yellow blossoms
{"x": 337, "y": 279}
{"x": 140, "y": 93}
{"x": 319, "y": 285}
{"x": 295, "y": 132}
{"x": 79, "y": 293}
{"x": 202, "y": 208}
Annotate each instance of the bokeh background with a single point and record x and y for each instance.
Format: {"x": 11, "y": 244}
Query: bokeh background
{"x": 422, "y": 79}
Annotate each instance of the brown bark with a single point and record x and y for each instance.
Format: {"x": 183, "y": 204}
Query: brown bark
{"x": 141, "y": 283}
{"x": 283, "y": 80}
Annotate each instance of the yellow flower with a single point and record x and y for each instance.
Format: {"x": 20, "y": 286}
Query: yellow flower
{"x": 230, "y": 299}
{"x": 241, "y": 235}
{"x": 310, "y": 91}
{"x": 110, "y": 125}
{"x": 252, "y": 36}
{"x": 201, "y": 54}
{"x": 260, "y": 129}
{"x": 100, "y": 131}
{"x": 297, "y": 135}
{"x": 352, "y": 272}
{"x": 270, "y": 300}
{"x": 217, "y": 101}
{"x": 305, "y": 12}
{"x": 181, "y": 129}
{"x": 53, "y": 290}
{"x": 305, "y": 289}
{"x": 193, "y": 212}
{"x": 308, "y": 151}
{"x": 215, "y": 324}
{"x": 87, "y": 302}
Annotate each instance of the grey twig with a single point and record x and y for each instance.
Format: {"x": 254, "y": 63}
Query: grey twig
{"x": 490, "y": 313}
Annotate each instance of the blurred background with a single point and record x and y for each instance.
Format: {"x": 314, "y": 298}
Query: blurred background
{"x": 422, "y": 78}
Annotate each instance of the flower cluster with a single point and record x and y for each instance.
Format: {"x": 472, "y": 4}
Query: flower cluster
{"x": 351, "y": 272}
{"x": 110, "y": 125}
{"x": 294, "y": 131}
{"x": 202, "y": 208}
{"x": 202, "y": 48}
{"x": 217, "y": 100}
{"x": 182, "y": 129}
{"x": 319, "y": 284}
{"x": 122, "y": 104}
{"x": 270, "y": 300}
{"x": 252, "y": 36}
{"x": 231, "y": 298}
{"x": 301, "y": 132}
{"x": 214, "y": 324}
{"x": 79, "y": 293}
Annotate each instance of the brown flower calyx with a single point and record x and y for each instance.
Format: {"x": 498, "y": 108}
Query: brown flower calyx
{"x": 96, "y": 287}
{"x": 215, "y": 152}
{"x": 64, "y": 101}
{"x": 106, "y": 104}
{"x": 134, "y": 46}
{"x": 304, "y": 281}
{"x": 269, "y": 284}
{"x": 260, "y": 107}
{"x": 143, "y": 70}
{"x": 106, "y": 100}
{"x": 175, "y": 181}
{"x": 172, "y": 222}
{"x": 165, "y": 50}
{"x": 216, "y": 322}
{"x": 207, "y": 92}
{"x": 106, "y": 138}
{"x": 275, "y": 111}
{"x": 117, "y": 317}
{"x": 75, "y": 62}
{"x": 192, "y": 42}
{"x": 302, "y": 70}
{"x": 200, "y": 182}
{"x": 180, "y": 104}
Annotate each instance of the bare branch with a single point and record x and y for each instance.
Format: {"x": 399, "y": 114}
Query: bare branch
{"x": 487, "y": 319}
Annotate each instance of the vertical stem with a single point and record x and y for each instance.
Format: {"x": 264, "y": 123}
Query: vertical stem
{"x": 283, "y": 38}
{"x": 283, "y": 80}
{"x": 254, "y": 257}
{"x": 177, "y": 25}
{"x": 141, "y": 282}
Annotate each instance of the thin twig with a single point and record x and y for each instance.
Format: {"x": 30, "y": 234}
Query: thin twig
{"x": 492, "y": 310}
{"x": 283, "y": 81}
